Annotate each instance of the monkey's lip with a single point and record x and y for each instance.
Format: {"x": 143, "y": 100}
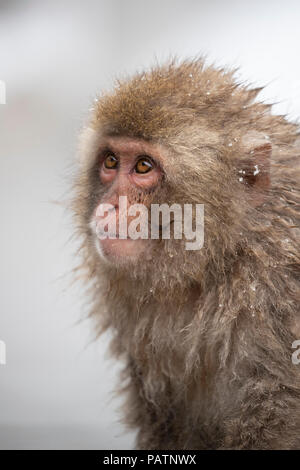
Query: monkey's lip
{"x": 116, "y": 249}
{"x": 113, "y": 236}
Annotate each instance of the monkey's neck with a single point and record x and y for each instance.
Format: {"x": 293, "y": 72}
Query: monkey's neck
{"x": 149, "y": 324}
{"x": 188, "y": 328}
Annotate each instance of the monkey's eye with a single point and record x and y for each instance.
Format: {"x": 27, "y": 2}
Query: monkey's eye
{"x": 144, "y": 165}
{"x": 111, "y": 162}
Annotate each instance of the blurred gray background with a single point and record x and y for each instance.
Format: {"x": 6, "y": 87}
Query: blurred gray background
{"x": 56, "y": 388}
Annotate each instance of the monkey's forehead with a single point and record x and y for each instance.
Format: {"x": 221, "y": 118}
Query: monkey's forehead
{"x": 126, "y": 145}
{"x": 159, "y": 103}
{"x": 93, "y": 141}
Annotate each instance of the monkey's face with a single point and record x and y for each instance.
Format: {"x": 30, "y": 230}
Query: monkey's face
{"x": 129, "y": 171}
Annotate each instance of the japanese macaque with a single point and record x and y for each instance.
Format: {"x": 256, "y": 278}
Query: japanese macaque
{"x": 206, "y": 334}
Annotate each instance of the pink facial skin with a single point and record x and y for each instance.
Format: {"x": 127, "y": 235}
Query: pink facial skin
{"x": 130, "y": 156}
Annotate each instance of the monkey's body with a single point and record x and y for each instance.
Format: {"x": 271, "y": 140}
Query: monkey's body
{"x": 206, "y": 336}
{"x": 201, "y": 376}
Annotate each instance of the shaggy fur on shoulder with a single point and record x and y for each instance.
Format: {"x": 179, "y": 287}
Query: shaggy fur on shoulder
{"x": 206, "y": 335}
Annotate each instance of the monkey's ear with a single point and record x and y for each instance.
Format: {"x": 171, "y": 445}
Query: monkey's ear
{"x": 255, "y": 168}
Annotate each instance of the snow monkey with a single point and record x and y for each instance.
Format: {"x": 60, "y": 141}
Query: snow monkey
{"x": 206, "y": 335}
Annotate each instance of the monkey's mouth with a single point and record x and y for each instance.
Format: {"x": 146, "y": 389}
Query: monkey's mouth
{"x": 112, "y": 236}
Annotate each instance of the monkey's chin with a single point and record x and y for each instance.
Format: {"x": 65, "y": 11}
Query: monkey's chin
{"x": 118, "y": 251}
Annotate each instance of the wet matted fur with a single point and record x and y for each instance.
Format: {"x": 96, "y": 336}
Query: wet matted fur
{"x": 206, "y": 335}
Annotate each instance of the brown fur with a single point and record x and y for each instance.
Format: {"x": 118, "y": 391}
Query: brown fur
{"x": 206, "y": 335}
